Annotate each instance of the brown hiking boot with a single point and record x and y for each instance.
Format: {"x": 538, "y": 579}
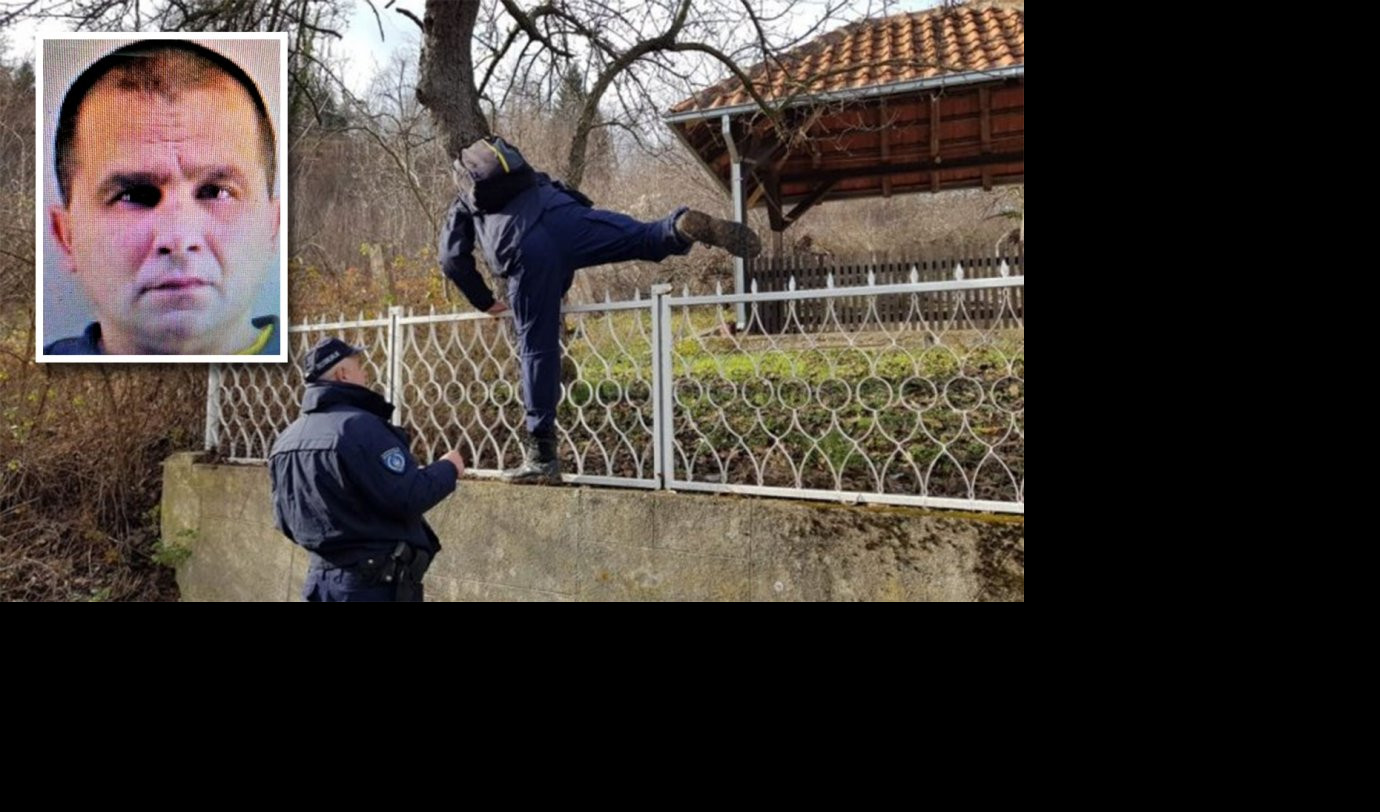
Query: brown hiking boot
{"x": 735, "y": 238}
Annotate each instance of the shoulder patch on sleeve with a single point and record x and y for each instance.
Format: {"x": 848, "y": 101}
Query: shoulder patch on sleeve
{"x": 394, "y": 460}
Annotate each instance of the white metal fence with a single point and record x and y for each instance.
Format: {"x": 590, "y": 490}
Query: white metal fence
{"x": 662, "y": 392}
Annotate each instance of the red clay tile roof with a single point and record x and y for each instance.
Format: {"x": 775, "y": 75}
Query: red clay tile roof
{"x": 900, "y": 48}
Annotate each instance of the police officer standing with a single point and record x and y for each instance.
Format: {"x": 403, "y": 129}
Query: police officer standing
{"x": 347, "y": 489}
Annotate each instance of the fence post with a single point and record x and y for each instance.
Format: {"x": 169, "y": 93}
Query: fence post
{"x": 738, "y": 183}
{"x": 663, "y": 448}
{"x": 394, "y": 353}
{"x": 212, "y": 406}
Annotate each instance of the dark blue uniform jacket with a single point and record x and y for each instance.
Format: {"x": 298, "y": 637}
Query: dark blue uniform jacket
{"x": 499, "y": 234}
{"x": 345, "y": 485}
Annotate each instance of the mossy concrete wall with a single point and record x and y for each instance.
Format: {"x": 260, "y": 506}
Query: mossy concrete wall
{"x": 507, "y": 542}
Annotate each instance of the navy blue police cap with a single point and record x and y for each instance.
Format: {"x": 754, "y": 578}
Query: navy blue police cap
{"x": 325, "y": 354}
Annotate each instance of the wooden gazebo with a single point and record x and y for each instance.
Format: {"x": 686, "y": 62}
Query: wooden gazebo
{"x": 917, "y": 102}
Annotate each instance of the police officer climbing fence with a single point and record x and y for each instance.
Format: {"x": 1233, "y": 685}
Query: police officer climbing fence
{"x": 346, "y": 487}
{"x": 535, "y": 233}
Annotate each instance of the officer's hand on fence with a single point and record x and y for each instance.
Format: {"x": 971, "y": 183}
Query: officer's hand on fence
{"x": 455, "y": 459}
{"x": 498, "y": 309}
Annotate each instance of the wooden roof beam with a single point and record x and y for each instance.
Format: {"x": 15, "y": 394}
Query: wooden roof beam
{"x": 908, "y": 168}
{"x": 934, "y": 141}
{"x": 810, "y": 200}
{"x": 985, "y": 127}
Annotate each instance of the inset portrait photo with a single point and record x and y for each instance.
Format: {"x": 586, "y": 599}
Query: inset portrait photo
{"x": 162, "y": 232}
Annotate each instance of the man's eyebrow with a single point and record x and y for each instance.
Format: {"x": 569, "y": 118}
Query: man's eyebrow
{"x": 228, "y": 172}
{"x": 119, "y": 181}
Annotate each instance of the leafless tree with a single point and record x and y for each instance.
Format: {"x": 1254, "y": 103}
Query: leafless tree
{"x": 636, "y": 57}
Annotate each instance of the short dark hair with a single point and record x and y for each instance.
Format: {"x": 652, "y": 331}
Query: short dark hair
{"x": 164, "y": 67}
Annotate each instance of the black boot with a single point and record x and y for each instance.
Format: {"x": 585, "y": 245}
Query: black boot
{"x": 735, "y": 238}
{"x": 539, "y": 465}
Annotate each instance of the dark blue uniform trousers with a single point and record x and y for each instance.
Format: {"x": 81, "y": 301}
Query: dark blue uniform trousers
{"x": 350, "y": 585}
{"x": 568, "y": 238}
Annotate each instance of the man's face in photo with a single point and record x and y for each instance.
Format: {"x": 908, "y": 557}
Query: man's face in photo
{"x": 169, "y": 222}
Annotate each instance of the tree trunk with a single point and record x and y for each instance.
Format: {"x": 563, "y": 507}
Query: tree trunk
{"x": 445, "y": 81}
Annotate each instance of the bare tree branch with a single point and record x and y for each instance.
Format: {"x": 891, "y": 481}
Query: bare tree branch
{"x": 17, "y": 12}
{"x": 413, "y": 17}
{"x": 377, "y": 18}
{"x": 526, "y": 22}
